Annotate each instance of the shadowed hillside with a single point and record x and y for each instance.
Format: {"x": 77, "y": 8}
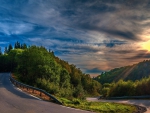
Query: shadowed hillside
{"x": 133, "y": 72}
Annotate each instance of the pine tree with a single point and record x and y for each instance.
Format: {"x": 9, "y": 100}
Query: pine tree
{"x": 23, "y": 46}
{"x": 10, "y": 47}
{"x": 17, "y": 45}
{"x": 6, "y": 50}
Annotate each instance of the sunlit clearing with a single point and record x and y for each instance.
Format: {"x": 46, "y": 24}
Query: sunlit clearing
{"x": 146, "y": 45}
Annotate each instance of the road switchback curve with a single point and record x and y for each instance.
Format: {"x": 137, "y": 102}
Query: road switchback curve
{"x": 12, "y": 100}
{"x": 139, "y": 102}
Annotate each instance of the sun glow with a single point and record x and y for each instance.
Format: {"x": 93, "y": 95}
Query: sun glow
{"x": 146, "y": 45}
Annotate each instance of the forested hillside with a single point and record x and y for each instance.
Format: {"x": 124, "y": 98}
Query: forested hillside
{"x": 133, "y": 72}
{"x": 39, "y": 67}
{"x": 127, "y": 88}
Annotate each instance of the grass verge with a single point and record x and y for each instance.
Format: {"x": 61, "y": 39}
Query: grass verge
{"x": 99, "y": 107}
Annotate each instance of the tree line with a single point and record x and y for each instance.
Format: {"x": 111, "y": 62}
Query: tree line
{"x": 39, "y": 67}
{"x": 135, "y": 83}
{"x": 127, "y": 88}
{"x": 133, "y": 72}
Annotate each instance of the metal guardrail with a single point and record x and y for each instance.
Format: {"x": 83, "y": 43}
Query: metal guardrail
{"x": 21, "y": 85}
{"x": 130, "y": 97}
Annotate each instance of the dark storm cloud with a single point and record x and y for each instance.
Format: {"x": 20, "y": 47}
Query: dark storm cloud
{"x": 83, "y": 15}
{"x": 2, "y": 34}
{"x": 89, "y": 30}
{"x": 68, "y": 39}
{"x": 124, "y": 34}
{"x": 128, "y": 35}
{"x": 122, "y": 51}
{"x": 87, "y": 7}
{"x": 125, "y": 22}
{"x": 112, "y": 43}
{"x": 79, "y": 47}
{"x": 140, "y": 55}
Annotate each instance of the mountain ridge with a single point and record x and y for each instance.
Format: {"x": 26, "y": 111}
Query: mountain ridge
{"x": 132, "y": 72}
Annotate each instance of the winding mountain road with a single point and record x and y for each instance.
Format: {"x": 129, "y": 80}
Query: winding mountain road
{"x": 144, "y": 103}
{"x": 12, "y": 100}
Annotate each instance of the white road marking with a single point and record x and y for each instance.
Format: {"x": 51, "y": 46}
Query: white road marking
{"x": 25, "y": 92}
{"x": 41, "y": 99}
{"x": 19, "y": 89}
{"x": 29, "y": 94}
{"x": 35, "y": 97}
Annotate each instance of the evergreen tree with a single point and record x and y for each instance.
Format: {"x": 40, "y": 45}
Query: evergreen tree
{"x": 6, "y": 50}
{"x": 23, "y": 46}
{"x": 17, "y": 45}
{"x": 10, "y": 47}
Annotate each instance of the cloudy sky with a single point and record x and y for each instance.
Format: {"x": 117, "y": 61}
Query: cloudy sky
{"x": 95, "y": 35}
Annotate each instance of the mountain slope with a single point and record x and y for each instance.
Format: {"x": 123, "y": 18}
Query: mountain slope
{"x": 133, "y": 72}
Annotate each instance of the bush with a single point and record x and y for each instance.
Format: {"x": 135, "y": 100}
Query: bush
{"x": 76, "y": 101}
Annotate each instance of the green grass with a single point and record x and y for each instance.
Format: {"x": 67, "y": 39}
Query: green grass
{"x": 99, "y": 107}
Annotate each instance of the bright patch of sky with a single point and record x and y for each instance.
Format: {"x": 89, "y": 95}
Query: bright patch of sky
{"x": 95, "y": 35}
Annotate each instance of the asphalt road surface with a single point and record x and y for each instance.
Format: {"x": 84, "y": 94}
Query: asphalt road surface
{"x": 12, "y": 100}
{"x": 144, "y": 103}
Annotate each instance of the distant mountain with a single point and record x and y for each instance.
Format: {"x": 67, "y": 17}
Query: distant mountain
{"x": 133, "y": 72}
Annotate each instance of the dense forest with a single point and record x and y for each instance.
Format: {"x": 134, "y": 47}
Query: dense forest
{"x": 131, "y": 80}
{"x": 127, "y": 88}
{"x": 133, "y": 72}
{"x": 39, "y": 67}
